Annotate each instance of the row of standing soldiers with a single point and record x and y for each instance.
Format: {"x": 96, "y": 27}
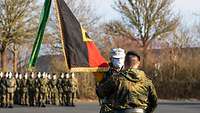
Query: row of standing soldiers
{"x": 37, "y": 89}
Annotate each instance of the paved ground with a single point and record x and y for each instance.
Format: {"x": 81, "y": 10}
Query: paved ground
{"x": 92, "y": 107}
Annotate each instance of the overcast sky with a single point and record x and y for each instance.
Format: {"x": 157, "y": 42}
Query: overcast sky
{"x": 187, "y": 8}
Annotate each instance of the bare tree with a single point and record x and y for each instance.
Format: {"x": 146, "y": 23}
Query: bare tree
{"x": 182, "y": 38}
{"x": 17, "y": 24}
{"x": 147, "y": 20}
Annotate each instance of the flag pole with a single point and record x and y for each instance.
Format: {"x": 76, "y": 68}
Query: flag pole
{"x": 61, "y": 32}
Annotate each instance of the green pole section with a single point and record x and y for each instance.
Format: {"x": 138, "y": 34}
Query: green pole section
{"x": 42, "y": 24}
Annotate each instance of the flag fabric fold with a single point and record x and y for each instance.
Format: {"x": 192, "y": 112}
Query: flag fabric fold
{"x": 80, "y": 51}
{"x": 39, "y": 37}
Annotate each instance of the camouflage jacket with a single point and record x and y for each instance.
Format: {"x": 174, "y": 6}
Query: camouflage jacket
{"x": 66, "y": 85}
{"x": 130, "y": 89}
{"x": 3, "y": 85}
{"x": 24, "y": 85}
{"x": 31, "y": 84}
{"x": 59, "y": 85}
{"x": 43, "y": 85}
{"x": 11, "y": 85}
{"x": 53, "y": 85}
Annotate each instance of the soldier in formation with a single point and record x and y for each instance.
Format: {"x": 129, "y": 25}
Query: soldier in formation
{"x": 117, "y": 57}
{"x": 24, "y": 90}
{"x": 73, "y": 86}
{"x": 37, "y": 89}
{"x": 54, "y": 90}
{"x": 11, "y": 86}
{"x": 31, "y": 89}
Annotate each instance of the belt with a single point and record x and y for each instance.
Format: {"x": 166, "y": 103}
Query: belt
{"x": 131, "y": 110}
{"x": 135, "y": 110}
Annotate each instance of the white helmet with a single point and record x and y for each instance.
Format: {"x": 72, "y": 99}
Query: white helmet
{"x": 39, "y": 75}
{"x": 32, "y": 75}
{"x": 49, "y": 76}
{"x": 44, "y": 75}
{"x": 117, "y": 53}
{"x": 6, "y": 75}
{"x": 10, "y": 75}
{"x": 1, "y": 74}
{"x": 73, "y": 75}
{"x": 62, "y": 75}
{"x": 16, "y": 75}
{"x": 54, "y": 77}
{"x": 67, "y": 75}
{"x": 20, "y": 76}
{"x": 26, "y": 76}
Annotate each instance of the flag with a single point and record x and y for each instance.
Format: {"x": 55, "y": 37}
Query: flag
{"x": 39, "y": 37}
{"x": 80, "y": 51}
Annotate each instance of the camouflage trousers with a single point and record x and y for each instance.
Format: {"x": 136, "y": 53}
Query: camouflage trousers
{"x": 31, "y": 95}
{"x": 61, "y": 98}
{"x": 54, "y": 98}
{"x": 24, "y": 98}
{"x": 3, "y": 100}
{"x": 37, "y": 97}
{"x": 9, "y": 99}
{"x": 42, "y": 99}
{"x": 66, "y": 97}
{"x": 17, "y": 97}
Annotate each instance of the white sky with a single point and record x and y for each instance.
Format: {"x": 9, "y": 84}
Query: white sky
{"x": 187, "y": 8}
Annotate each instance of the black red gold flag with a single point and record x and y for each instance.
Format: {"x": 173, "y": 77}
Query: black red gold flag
{"x": 80, "y": 51}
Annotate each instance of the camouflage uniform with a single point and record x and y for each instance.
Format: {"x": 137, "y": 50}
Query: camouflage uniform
{"x": 31, "y": 91}
{"x": 60, "y": 91}
{"x": 106, "y": 106}
{"x": 54, "y": 91}
{"x": 36, "y": 96}
{"x": 17, "y": 91}
{"x": 11, "y": 86}
{"x": 73, "y": 87}
{"x": 42, "y": 91}
{"x": 106, "y": 102}
{"x": 117, "y": 56}
{"x": 3, "y": 91}
{"x": 66, "y": 91}
{"x": 1, "y": 94}
{"x": 131, "y": 89}
{"x": 24, "y": 91}
{"x": 49, "y": 91}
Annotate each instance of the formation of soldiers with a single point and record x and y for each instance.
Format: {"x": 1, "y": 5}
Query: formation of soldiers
{"x": 37, "y": 89}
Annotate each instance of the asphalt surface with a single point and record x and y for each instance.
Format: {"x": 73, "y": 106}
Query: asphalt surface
{"x": 92, "y": 107}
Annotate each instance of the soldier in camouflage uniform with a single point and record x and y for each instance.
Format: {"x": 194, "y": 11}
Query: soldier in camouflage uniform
{"x": 54, "y": 90}
{"x": 24, "y": 90}
{"x": 60, "y": 89}
{"x": 117, "y": 56}
{"x": 43, "y": 90}
{"x": 66, "y": 89}
{"x": 49, "y": 90}
{"x": 17, "y": 91}
{"x": 2, "y": 90}
{"x": 37, "y": 79}
{"x": 11, "y": 86}
{"x": 31, "y": 89}
{"x": 133, "y": 91}
{"x": 73, "y": 87}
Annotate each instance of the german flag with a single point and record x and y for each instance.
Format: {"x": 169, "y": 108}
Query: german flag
{"x": 80, "y": 52}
